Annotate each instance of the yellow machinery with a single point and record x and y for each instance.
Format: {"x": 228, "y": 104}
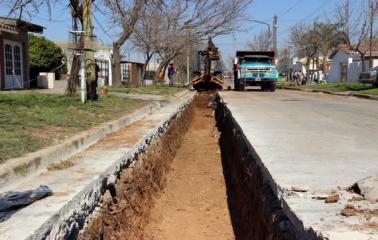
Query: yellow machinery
{"x": 209, "y": 69}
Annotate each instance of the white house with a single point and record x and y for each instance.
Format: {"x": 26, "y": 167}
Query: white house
{"x": 347, "y": 64}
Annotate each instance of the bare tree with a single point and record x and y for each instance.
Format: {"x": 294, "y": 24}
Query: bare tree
{"x": 284, "y": 61}
{"x": 17, "y": 8}
{"x": 145, "y": 33}
{"x": 354, "y": 24}
{"x": 304, "y": 41}
{"x": 77, "y": 16}
{"x": 261, "y": 42}
{"x": 314, "y": 40}
{"x": 124, "y": 14}
{"x": 186, "y": 22}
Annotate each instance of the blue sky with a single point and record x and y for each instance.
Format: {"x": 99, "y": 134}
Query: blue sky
{"x": 289, "y": 12}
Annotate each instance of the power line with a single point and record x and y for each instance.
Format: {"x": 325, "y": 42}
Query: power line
{"x": 103, "y": 29}
{"x": 308, "y": 17}
{"x": 290, "y": 8}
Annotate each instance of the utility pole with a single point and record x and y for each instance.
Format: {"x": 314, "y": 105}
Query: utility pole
{"x": 275, "y": 34}
{"x": 372, "y": 8}
{"x": 89, "y": 60}
{"x": 187, "y": 66}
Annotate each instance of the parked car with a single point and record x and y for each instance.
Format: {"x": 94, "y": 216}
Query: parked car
{"x": 370, "y": 77}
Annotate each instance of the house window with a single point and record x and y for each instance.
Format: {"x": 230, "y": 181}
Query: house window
{"x": 13, "y": 65}
{"x": 104, "y": 70}
{"x": 17, "y": 59}
{"x": 8, "y": 59}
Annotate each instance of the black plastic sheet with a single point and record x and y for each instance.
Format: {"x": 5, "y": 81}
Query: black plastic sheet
{"x": 11, "y": 202}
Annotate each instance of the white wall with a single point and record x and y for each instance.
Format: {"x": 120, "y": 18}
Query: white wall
{"x": 354, "y": 67}
{"x": 334, "y": 75}
{"x": 375, "y": 63}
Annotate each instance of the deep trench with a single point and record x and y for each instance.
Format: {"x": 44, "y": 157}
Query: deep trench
{"x": 255, "y": 210}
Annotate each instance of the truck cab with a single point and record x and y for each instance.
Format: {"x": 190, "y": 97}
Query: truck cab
{"x": 255, "y": 69}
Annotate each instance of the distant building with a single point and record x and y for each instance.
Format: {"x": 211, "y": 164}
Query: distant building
{"x": 300, "y": 65}
{"x": 347, "y": 63}
{"x": 14, "y": 52}
{"x": 131, "y": 72}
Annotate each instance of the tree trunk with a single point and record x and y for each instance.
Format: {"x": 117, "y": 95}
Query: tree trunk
{"x": 89, "y": 59}
{"x": 362, "y": 56}
{"x": 116, "y": 66}
{"x": 73, "y": 80}
{"x": 161, "y": 68}
{"x": 146, "y": 62}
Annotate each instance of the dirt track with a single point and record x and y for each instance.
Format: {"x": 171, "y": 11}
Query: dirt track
{"x": 194, "y": 203}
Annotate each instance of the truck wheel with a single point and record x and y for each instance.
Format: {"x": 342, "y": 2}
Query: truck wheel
{"x": 241, "y": 86}
{"x": 263, "y": 86}
{"x": 236, "y": 85}
{"x": 272, "y": 86}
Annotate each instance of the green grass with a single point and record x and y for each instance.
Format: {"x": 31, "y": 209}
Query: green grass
{"x": 30, "y": 121}
{"x": 337, "y": 87}
{"x": 153, "y": 90}
{"x": 372, "y": 91}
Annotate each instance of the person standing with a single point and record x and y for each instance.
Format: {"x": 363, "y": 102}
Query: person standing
{"x": 171, "y": 73}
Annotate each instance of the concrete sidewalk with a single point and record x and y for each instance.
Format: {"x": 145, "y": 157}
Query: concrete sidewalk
{"x": 317, "y": 141}
{"x": 77, "y": 182}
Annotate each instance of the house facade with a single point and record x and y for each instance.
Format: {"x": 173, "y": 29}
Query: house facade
{"x": 14, "y": 53}
{"x": 347, "y": 65}
{"x": 131, "y": 72}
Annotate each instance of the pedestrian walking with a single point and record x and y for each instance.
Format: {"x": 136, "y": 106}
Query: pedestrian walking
{"x": 300, "y": 78}
{"x": 171, "y": 73}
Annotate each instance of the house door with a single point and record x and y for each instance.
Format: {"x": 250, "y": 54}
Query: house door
{"x": 13, "y": 65}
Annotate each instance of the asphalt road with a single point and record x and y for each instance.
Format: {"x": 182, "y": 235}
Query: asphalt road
{"x": 321, "y": 141}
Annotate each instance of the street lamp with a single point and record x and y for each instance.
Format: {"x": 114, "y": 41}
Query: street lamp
{"x": 266, "y": 24}
{"x": 256, "y": 21}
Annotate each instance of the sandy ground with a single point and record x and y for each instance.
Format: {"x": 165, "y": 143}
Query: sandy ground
{"x": 194, "y": 203}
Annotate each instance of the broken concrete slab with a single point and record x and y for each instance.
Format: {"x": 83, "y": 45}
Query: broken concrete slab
{"x": 367, "y": 187}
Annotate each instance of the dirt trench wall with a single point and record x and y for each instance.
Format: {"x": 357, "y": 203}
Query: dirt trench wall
{"x": 124, "y": 208}
{"x": 257, "y": 208}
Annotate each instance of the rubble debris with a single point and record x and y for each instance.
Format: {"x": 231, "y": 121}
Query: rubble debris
{"x": 367, "y": 187}
{"x": 356, "y": 199}
{"x": 348, "y": 211}
{"x": 332, "y": 198}
{"x": 320, "y": 196}
{"x": 10, "y": 202}
{"x": 300, "y": 188}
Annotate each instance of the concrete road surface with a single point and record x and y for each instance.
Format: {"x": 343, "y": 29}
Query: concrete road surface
{"x": 320, "y": 141}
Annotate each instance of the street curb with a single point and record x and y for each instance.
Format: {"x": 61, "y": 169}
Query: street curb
{"x": 32, "y": 164}
{"x": 350, "y": 94}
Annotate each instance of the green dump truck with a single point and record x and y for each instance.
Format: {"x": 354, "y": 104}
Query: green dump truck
{"x": 255, "y": 68}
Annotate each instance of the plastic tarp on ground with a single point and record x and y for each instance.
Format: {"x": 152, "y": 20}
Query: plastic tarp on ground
{"x": 11, "y": 202}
